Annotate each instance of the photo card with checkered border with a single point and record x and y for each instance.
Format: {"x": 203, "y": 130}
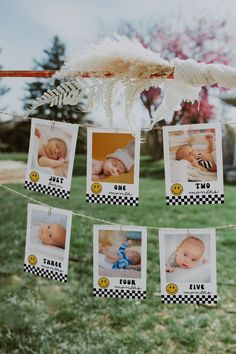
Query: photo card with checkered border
{"x": 48, "y": 242}
{"x": 113, "y": 159}
{"x": 193, "y": 164}
{"x": 119, "y": 261}
{"x": 51, "y": 157}
{"x": 188, "y": 266}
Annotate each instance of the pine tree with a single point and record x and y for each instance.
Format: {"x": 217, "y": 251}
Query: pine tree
{"x": 53, "y": 60}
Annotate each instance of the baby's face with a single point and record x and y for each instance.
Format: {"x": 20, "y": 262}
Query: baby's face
{"x": 187, "y": 153}
{"x": 55, "y": 149}
{"x": 133, "y": 256}
{"x": 53, "y": 234}
{"x": 113, "y": 167}
{"x": 188, "y": 254}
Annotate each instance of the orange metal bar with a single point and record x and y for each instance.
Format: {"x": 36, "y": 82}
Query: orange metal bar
{"x": 50, "y": 73}
{"x": 26, "y": 73}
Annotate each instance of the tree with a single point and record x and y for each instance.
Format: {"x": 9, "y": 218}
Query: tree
{"x": 3, "y": 89}
{"x": 53, "y": 59}
{"x": 204, "y": 41}
{"x": 15, "y": 134}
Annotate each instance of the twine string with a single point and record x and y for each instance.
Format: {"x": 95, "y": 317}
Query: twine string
{"x": 87, "y": 125}
{"x": 222, "y": 227}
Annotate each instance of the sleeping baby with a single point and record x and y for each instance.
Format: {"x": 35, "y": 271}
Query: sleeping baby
{"x": 52, "y": 153}
{"x": 187, "y": 255}
{"x": 120, "y": 161}
{"x": 203, "y": 160}
{"x": 125, "y": 258}
{"x": 53, "y": 235}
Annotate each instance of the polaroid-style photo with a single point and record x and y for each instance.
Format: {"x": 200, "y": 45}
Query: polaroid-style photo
{"x": 193, "y": 164}
{"x": 51, "y": 157}
{"x": 119, "y": 261}
{"x": 47, "y": 242}
{"x": 188, "y": 266}
{"x": 112, "y": 167}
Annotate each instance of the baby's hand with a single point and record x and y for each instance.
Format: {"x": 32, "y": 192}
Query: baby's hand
{"x": 59, "y": 163}
{"x": 97, "y": 167}
{"x": 209, "y": 137}
{"x": 61, "y": 159}
{"x": 97, "y": 177}
{"x": 37, "y": 133}
{"x": 101, "y": 248}
{"x": 169, "y": 269}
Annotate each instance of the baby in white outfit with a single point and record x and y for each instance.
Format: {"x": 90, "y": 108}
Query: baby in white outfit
{"x": 53, "y": 153}
{"x": 120, "y": 161}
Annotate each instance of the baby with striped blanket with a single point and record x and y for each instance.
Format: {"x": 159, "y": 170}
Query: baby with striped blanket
{"x": 204, "y": 159}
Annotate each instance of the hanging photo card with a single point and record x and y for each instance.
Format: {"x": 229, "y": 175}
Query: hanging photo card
{"x": 188, "y": 266}
{"x": 47, "y": 242}
{"x": 119, "y": 261}
{"x": 112, "y": 167}
{"x": 193, "y": 164}
{"x": 51, "y": 157}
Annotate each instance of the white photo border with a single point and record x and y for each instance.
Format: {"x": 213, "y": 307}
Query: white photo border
{"x": 110, "y": 193}
{"x": 44, "y": 182}
{"x": 208, "y": 192}
{"x": 47, "y": 266}
{"x": 120, "y": 287}
{"x": 188, "y": 292}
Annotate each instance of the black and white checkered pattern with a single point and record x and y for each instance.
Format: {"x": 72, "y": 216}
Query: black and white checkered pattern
{"x": 112, "y": 199}
{"x": 41, "y": 188}
{"x": 189, "y": 299}
{"x": 195, "y": 199}
{"x": 120, "y": 293}
{"x": 45, "y": 273}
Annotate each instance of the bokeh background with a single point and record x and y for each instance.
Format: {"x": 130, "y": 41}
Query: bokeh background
{"x": 38, "y": 315}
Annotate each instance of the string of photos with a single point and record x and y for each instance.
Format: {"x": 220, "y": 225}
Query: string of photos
{"x": 193, "y": 173}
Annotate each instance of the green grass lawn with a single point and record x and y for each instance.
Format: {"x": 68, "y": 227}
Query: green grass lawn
{"x": 39, "y": 315}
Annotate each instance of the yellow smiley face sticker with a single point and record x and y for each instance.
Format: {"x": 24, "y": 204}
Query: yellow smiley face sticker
{"x": 103, "y": 282}
{"x": 171, "y": 288}
{"x": 177, "y": 189}
{"x": 96, "y": 188}
{"x": 32, "y": 259}
{"x": 34, "y": 176}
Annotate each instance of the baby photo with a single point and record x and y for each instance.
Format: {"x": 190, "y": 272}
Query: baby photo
{"x": 120, "y": 254}
{"x": 187, "y": 260}
{"x": 51, "y": 150}
{"x": 48, "y": 232}
{"x": 48, "y": 237}
{"x": 112, "y": 167}
{"x": 189, "y": 253}
{"x": 51, "y": 157}
{"x": 113, "y": 158}
{"x": 193, "y": 164}
{"x": 195, "y": 152}
{"x": 119, "y": 260}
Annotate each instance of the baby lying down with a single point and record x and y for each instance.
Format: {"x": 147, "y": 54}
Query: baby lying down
{"x": 119, "y": 162}
{"x": 53, "y": 235}
{"x": 187, "y": 255}
{"x": 52, "y": 153}
{"x": 124, "y": 258}
{"x": 202, "y": 160}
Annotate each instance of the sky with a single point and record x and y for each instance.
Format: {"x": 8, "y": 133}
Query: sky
{"x": 27, "y": 27}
